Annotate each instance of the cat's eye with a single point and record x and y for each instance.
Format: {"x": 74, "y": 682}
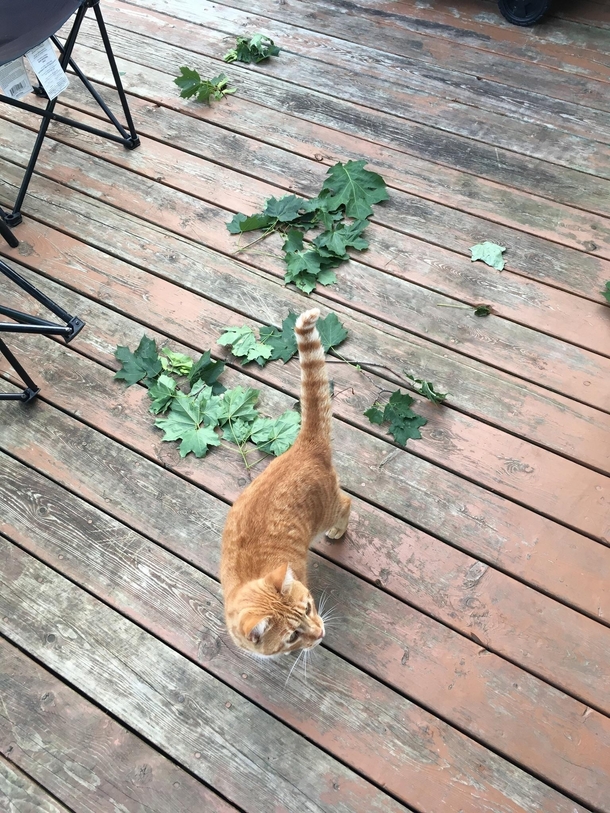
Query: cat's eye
{"x": 308, "y": 610}
{"x": 292, "y": 638}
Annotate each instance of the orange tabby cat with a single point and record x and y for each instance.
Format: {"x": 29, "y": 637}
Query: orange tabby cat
{"x": 268, "y": 608}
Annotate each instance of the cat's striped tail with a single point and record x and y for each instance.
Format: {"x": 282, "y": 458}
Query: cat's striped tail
{"x": 316, "y": 411}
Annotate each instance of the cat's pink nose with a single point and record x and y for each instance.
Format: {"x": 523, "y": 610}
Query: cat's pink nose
{"x": 321, "y": 635}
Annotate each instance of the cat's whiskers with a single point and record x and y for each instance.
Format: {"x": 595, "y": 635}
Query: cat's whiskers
{"x": 331, "y": 616}
{"x": 296, "y": 660}
{"x": 322, "y": 602}
{"x": 305, "y": 659}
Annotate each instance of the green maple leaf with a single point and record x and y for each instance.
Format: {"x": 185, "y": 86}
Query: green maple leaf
{"x": 275, "y": 436}
{"x": 375, "y": 415}
{"x": 606, "y": 292}
{"x": 354, "y": 188}
{"x": 177, "y": 363}
{"x": 198, "y": 441}
{"x": 162, "y": 393}
{"x": 303, "y": 268}
{"x": 207, "y": 370}
{"x": 426, "y": 388}
{"x": 191, "y": 84}
{"x": 339, "y": 237}
{"x": 244, "y": 345}
{"x": 205, "y": 404}
{"x": 403, "y": 428}
{"x": 331, "y": 331}
{"x": 192, "y": 421}
{"x": 219, "y": 86}
{"x": 489, "y": 253}
{"x": 308, "y": 265}
{"x": 326, "y": 277}
{"x": 237, "y": 431}
{"x": 143, "y": 364}
{"x": 328, "y": 220}
{"x": 264, "y": 46}
{"x": 252, "y": 49}
{"x": 242, "y": 223}
{"x": 293, "y": 241}
{"x": 349, "y": 190}
{"x": 403, "y": 422}
{"x": 285, "y": 209}
{"x": 282, "y": 341}
{"x": 238, "y": 403}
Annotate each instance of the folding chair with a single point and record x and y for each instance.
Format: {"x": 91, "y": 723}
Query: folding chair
{"x": 25, "y": 24}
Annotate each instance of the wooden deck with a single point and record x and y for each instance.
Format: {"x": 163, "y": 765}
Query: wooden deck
{"x": 469, "y": 671}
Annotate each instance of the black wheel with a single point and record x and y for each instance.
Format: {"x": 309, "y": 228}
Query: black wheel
{"x": 523, "y": 12}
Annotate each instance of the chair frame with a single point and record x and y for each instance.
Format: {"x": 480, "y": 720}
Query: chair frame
{"x": 25, "y": 323}
{"x": 127, "y": 136}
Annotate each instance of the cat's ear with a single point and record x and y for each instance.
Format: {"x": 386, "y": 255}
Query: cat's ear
{"x": 281, "y": 578}
{"x": 255, "y": 631}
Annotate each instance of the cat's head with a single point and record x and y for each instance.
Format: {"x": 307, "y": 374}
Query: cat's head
{"x": 274, "y": 615}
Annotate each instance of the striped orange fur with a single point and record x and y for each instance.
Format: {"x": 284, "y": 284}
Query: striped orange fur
{"x": 268, "y": 607}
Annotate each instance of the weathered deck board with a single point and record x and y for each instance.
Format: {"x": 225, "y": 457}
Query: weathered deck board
{"x": 547, "y": 419}
{"x": 480, "y": 25}
{"x": 335, "y": 48}
{"x": 427, "y": 51}
{"x": 170, "y": 701}
{"x": 83, "y": 756}
{"x": 225, "y": 476}
{"x": 405, "y": 105}
{"x": 524, "y": 300}
{"x": 382, "y": 549}
{"x": 517, "y": 349}
{"x": 183, "y": 608}
{"x": 450, "y": 440}
{"x": 539, "y": 177}
{"x": 103, "y": 653}
{"x": 440, "y": 184}
{"x": 19, "y": 793}
{"x": 589, "y": 12}
{"x": 275, "y": 143}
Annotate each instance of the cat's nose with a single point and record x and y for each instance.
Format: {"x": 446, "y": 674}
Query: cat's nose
{"x": 321, "y": 635}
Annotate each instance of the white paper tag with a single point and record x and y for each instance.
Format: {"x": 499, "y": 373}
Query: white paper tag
{"x": 45, "y": 65}
{"x": 14, "y": 79}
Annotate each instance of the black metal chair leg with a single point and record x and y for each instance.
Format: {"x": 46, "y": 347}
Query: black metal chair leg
{"x": 27, "y": 323}
{"x": 6, "y": 233}
{"x": 31, "y": 390}
{"x": 14, "y": 218}
{"x": 134, "y": 139}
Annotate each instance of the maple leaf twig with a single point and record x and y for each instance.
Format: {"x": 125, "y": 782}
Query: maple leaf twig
{"x": 256, "y": 240}
{"x": 359, "y": 364}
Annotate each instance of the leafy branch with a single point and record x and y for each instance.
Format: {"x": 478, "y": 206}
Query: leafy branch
{"x": 197, "y": 410}
{"x": 397, "y": 412}
{"x": 403, "y": 423}
{"x": 606, "y": 292}
{"x": 340, "y": 214}
{"x": 278, "y": 343}
{"x": 252, "y": 49}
